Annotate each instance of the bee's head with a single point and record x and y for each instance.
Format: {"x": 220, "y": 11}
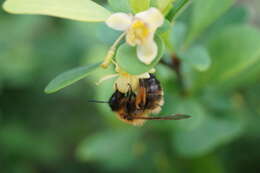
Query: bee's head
{"x": 116, "y": 100}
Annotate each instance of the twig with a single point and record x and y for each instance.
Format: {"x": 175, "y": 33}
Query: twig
{"x": 175, "y": 65}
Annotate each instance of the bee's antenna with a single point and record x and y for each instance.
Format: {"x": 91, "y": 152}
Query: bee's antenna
{"x": 97, "y": 101}
{"x": 171, "y": 117}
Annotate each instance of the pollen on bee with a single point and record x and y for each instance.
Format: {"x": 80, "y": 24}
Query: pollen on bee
{"x": 126, "y": 82}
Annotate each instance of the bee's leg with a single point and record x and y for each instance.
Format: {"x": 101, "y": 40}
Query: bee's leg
{"x": 130, "y": 87}
{"x": 131, "y": 98}
{"x": 127, "y": 117}
{"x": 116, "y": 86}
{"x": 131, "y": 107}
{"x": 130, "y": 91}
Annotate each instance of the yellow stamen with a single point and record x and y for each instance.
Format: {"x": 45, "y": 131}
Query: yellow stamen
{"x": 137, "y": 33}
{"x": 111, "y": 52}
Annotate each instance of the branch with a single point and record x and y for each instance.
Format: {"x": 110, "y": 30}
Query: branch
{"x": 175, "y": 65}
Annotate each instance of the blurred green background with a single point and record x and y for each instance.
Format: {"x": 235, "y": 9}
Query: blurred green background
{"x": 62, "y": 132}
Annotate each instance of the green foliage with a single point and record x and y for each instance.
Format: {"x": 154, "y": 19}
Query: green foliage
{"x": 233, "y": 51}
{"x": 203, "y": 17}
{"x": 17, "y": 139}
{"x": 138, "y": 6}
{"x": 100, "y": 147}
{"x": 127, "y": 59}
{"x": 67, "y": 78}
{"x": 217, "y": 84}
{"x": 164, "y": 28}
{"x": 82, "y": 10}
{"x": 177, "y": 8}
{"x": 163, "y": 5}
{"x": 178, "y": 35}
{"x": 120, "y": 6}
{"x": 211, "y": 133}
{"x": 196, "y": 56}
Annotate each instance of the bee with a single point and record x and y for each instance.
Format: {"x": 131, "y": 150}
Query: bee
{"x": 135, "y": 107}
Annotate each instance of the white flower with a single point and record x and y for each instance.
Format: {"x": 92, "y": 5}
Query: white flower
{"x": 140, "y": 30}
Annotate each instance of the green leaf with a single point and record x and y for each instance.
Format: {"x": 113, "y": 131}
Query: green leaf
{"x": 164, "y": 5}
{"x": 205, "y": 13}
{"x": 105, "y": 89}
{"x": 18, "y": 140}
{"x": 178, "y": 6}
{"x": 177, "y": 105}
{"x": 82, "y": 10}
{"x": 233, "y": 50}
{"x": 67, "y": 78}
{"x": 120, "y": 5}
{"x": 164, "y": 28}
{"x": 177, "y": 35}
{"x": 127, "y": 59}
{"x": 138, "y": 6}
{"x": 197, "y": 57}
{"x": 246, "y": 78}
{"x": 206, "y": 137}
{"x": 235, "y": 15}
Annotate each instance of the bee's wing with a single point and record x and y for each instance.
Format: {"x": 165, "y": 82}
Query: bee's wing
{"x": 171, "y": 117}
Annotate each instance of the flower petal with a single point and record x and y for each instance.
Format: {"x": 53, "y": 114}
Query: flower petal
{"x": 147, "y": 51}
{"x": 119, "y": 21}
{"x": 153, "y": 17}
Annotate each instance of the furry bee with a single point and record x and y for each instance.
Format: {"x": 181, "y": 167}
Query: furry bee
{"x": 134, "y": 108}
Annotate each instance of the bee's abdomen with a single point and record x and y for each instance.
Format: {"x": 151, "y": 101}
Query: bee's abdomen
{"x": 154, "y": 94}
{"x": 152, "y": 84}
{"x": 154, "y": 100}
